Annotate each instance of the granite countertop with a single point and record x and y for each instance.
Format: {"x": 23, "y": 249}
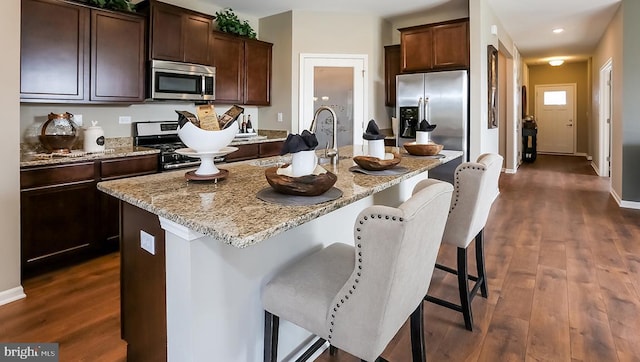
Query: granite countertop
{"x": 230, "y": 211}
{"x": 28, "y": 159}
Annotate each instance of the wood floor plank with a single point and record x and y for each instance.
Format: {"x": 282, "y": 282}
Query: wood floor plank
{"x": 506, "y": 339}
{"x": 548, "y": 337}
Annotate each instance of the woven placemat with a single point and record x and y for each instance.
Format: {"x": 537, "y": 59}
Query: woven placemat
{"x": 398, "y": 170}
{"x": 268, "y": 194}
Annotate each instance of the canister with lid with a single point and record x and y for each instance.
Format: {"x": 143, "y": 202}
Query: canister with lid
{"x": 94, "y": 138}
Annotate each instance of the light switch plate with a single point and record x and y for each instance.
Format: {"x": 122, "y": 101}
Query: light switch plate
{"x": 124, "y": 119}
{"x": 279, "y": 116}
{"x": 148, "y": 242}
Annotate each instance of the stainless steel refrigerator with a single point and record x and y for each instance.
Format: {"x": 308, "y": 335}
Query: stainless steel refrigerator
{"x": 442, "y": 98}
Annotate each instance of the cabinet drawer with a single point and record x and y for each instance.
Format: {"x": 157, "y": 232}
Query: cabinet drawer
{"x": 128, "y": 166}
{"x": 56, "y": 175}
{"x": 270, "y": 148}
{"x": 244, "y": 152}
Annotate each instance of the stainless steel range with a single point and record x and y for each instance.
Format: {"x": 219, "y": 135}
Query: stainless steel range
{"x": 164, "y": 136}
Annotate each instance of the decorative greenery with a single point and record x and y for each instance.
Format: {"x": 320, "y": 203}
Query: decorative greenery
{"x": 121, "y": 5}
{"x": 228, "y": 22}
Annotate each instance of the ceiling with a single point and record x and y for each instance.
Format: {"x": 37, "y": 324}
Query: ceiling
{"x": 528, "y": 22}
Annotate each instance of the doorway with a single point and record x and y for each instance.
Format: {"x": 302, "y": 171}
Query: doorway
{"x": 555, "y": 113}
{"x": 606, "y": 89}
{"x": 337, "y": 81}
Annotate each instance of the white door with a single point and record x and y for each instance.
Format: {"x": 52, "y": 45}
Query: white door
{"x": 337, "y": 81}
{"x": 555, "y": 115}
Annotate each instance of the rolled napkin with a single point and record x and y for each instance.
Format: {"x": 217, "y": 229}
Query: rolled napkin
{"x": 306, "y": 141}
{"x": 424, "y": 126}
{"x": 372, "y": 132}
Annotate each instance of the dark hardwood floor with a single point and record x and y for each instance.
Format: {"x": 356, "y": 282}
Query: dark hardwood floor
{"x": 563, "y": 262}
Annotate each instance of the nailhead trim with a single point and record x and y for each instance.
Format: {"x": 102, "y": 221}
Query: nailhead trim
{"x": 454, "y": 203}
{"x": 359, "y": 265}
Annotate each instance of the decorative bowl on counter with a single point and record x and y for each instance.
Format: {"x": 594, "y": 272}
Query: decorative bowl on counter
{"x": 317, "y": 183}
{"x": 58, "y": 133}
{"x": 426, "y": 149}
{"x": 377, "y": 164}
{"x": 204, "y": 141}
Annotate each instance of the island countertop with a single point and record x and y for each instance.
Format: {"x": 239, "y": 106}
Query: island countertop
{"x": 230, "y": 211}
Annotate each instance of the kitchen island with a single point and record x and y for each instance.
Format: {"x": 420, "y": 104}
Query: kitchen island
{"x": 222, "y": 244}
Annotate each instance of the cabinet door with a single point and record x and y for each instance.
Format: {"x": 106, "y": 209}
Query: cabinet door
{"x": 416, "y": 50}
{"x": 117, "y": 75}
{"x": 268, "y": 149}
{"x": 54, "y": 47}
{"x": 197, "y": 30}
{"x": 451, "y": 45}
{"x": 166, "y": 33}
{"x": 257, "y": 70}
{"x": 244, "y": 152}
{"x": 391, "y": 69}
{"x": 227, "y": 55}
{"x": 111, "y": 169}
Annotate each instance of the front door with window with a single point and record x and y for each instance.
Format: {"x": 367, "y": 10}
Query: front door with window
{"x": 555, "y": 115}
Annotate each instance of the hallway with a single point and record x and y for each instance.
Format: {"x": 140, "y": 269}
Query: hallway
{"x": 564, "y": 284}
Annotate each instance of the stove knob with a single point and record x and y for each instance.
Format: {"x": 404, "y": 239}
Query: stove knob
{"x": 175, "y": 156}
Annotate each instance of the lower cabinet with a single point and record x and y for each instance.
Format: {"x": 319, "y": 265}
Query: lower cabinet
{"x": 64, "y": 218}
{"x": 255, "y": 150}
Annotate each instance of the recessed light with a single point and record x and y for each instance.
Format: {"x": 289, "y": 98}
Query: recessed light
{"x": 558, "y": 30}
{"x": 556, "y": 62}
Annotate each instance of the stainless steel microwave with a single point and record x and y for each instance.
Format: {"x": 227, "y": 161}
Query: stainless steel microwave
{"x": 182, "y": 81}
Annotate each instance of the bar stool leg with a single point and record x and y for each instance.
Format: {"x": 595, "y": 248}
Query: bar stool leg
{"x": 271, "y": 324}
{"x": 463, "y": 288}
{"x": 417, "y": 334}
{"x": 480, "y": 264}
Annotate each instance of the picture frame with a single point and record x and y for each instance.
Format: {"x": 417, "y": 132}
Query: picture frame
{"x": 492, "y": 85}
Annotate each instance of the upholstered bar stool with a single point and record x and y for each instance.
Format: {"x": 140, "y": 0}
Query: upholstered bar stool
{"x": 476, "y": 186}
{"x": 357, "y": 298}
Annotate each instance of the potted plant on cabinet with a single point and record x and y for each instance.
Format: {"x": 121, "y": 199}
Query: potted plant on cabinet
{"x": 229, "y": 22}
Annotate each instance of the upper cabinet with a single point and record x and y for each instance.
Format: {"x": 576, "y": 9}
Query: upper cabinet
{"x": 243, "y": 69}
{"x": 176, "y": 33}
{"x": 437, "y": 46}
{"x": 67, "y": 54}
{"x": 391, "y": 69}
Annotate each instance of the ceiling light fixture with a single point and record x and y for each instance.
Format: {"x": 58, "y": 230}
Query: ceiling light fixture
{"x": 556, "y": 62}
{"x": 558, "y": 30}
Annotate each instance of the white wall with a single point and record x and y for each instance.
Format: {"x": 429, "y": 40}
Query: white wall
{"x": 609, "y": 47}
{"x": 10, "y": 287}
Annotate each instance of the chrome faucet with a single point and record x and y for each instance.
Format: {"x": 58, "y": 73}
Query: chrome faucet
{"x": 333, "y": 152}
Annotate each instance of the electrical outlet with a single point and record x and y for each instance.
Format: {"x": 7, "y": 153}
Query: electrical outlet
{"x": 148, "y": 242}
{"x": 124, "y": 120}
{"x": 77, "y": 119}
{"x": 279, "y": 116}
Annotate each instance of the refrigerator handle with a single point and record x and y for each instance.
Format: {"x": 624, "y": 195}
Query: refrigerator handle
{"x": 420, "y": 114}
{"x": 425, "y": 111}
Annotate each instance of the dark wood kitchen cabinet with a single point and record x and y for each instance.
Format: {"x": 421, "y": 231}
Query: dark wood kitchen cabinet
{"x": 67, "y": 54}
{"x": 177, "y": 34}
{"x": 54, "y": 51}
{"x": 112, "y": 169}
{"x": 117, "y": 75}
{"x": 64, "y": 218}
{"x": 58, "y": 207}
{"x": 391, "y": 69}
{"x": 439, "y": 46}
{"x": 255, "y": 150}
{"x": 243, "y": 69}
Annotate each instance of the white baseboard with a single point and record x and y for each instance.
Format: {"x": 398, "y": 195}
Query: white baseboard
{"x": 595, "y": 168}
{"x": 509, "y": 170}
{"x": 11, "y": 295}
{"x": 625, "y": 204}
